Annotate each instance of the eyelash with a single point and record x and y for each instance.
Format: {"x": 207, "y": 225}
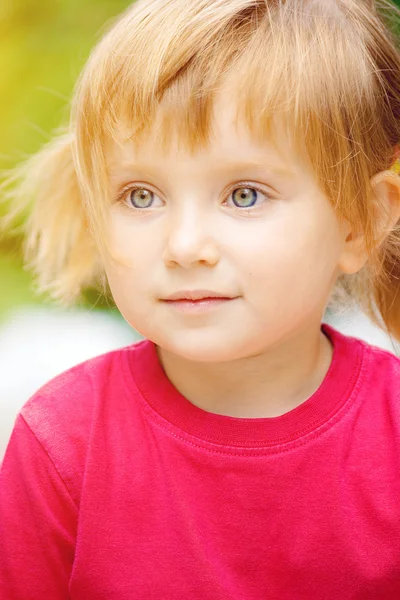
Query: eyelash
{"x": 241, "y": 184}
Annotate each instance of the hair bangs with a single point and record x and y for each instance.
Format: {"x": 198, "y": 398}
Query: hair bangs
{"x": 171, "y": 84}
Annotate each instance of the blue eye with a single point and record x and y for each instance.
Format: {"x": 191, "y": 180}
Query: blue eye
{"x": 244, "y": 197}
{"x": 141, "y": 198}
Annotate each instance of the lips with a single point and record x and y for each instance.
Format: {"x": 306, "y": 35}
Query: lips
{"x": 198, "y": 296}
{"x": 197, "y": 303}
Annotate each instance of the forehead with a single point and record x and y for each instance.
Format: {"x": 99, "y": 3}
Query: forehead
{"x": 230, "y": 145}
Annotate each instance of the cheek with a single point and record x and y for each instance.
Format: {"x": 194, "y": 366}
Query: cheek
{"x": 134, "y": 242}
{"x": 126, "y": 264}
{"x": 128, "y": 282}
{"x": 129, "y": 288}
{"x": 124, "y": 235}
{"x": 290, "y": 256}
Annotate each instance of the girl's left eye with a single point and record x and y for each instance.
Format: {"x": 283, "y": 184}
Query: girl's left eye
{"x": 246, "y": 197}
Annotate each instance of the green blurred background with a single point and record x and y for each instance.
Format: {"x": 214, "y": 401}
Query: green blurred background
{"x": 43, "y": 46}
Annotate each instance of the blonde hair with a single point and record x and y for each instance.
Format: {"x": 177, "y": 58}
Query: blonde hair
{"x": 329, "y": 70}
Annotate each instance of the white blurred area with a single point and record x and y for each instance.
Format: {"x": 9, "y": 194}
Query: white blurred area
{"x": 36, "y": 344}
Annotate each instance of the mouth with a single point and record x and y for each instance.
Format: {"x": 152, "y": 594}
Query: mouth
{"x": 197, "y": 296}
{"x": 197, "y": 301}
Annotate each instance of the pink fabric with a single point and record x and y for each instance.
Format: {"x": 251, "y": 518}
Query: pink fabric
{"x": 115, "y": 487}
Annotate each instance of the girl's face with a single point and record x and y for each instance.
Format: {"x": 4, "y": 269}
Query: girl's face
{"x": 239, "y": 221}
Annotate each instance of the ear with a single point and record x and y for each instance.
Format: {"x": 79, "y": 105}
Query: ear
{"x": 386, "y": 187}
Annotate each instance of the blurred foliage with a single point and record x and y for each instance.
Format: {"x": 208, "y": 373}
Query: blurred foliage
{"x": 43, "y": 47}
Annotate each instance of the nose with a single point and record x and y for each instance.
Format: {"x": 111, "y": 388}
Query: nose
{"x": 189, "y": 240}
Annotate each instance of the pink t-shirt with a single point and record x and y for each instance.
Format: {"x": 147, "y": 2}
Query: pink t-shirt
{"x": 116, "y": 487}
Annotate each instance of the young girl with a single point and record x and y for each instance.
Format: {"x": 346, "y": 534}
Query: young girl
{"x": 229, "y": 170}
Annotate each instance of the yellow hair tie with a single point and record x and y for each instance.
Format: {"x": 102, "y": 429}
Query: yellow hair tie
{"x": 395, "y": 168}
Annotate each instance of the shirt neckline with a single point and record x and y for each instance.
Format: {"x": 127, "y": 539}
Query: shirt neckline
{"x": 160, "y": 394}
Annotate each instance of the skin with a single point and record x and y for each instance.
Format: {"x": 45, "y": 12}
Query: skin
{"x": 262, "y": 354}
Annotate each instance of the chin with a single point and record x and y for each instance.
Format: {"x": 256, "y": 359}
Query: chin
{"x": 203, "y": 348}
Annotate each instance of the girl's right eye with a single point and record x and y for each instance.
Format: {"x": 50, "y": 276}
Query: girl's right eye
{"x": 140, "y": 198}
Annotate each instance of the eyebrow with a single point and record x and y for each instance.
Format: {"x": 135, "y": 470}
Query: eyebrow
{"x": 281, "y": 171}
{"x": 223, "y": 167}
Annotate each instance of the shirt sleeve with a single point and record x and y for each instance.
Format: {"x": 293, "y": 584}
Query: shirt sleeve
{"x": 38, "y": 520}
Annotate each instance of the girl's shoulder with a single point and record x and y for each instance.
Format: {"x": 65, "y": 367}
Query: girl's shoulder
{"x": 381, "y": 352}
{"x": 380, "y": 369}
{"x": 74, "y": 391}
{"x": 371, "y": 371}
{"x": 61, "y": 413}
{"x": 379, "y": 357}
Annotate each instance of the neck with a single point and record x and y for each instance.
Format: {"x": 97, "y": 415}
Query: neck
{"x": 268, "y": 384}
